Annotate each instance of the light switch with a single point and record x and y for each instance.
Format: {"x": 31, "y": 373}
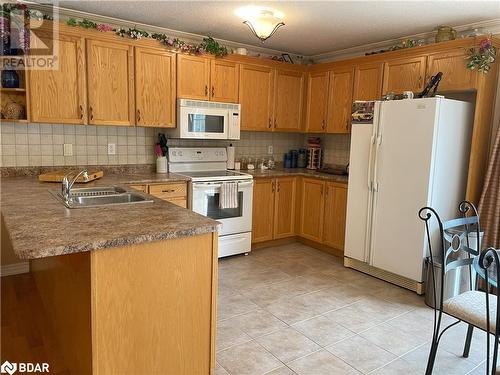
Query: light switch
{"x": 111, "y": 148}
{"x": 270, "y": 150}
{"x": 68, "y": 149}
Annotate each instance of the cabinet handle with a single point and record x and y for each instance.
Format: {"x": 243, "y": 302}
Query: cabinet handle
{"x": 278, "y": 187}
{"x": 272, "y": 186}
{"x": 81, "y": 111}
{"x": 347, "y": 125}
{"x": 213, "y": 91}
{"x": 269, "y": 126}
{"x": 168, "y": 191}
{"x": 91, "y": 112}
{"x": 420, "y": 81}
{"x": 138, "y": 115}
{"x": 206, "y": 90}
{"x": 323, "y": 124}
{"x": 326, "y": 192}
{"x": 321, "y": 190}
{"x": 275, "y": 125}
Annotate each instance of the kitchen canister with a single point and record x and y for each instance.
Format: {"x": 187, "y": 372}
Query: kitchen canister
{"x": 302, "y": 158}
{"x": 161, "y": 164}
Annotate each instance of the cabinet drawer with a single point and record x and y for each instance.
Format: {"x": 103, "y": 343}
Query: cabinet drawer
{"x": 167, "y": 191}
{"x": 143, "y": 188}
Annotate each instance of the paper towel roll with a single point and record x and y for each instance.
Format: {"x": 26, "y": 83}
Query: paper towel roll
{"x": 230, "y": 157}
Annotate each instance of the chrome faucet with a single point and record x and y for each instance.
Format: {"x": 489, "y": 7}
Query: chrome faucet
{"x": 67, "y": 185}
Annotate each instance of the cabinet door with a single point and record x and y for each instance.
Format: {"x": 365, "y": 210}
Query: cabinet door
{"x": 154, "y": 87}
{"x": 289, "y": 88}
{"x": 224, "y": 81}
{"x": 335, "y": 215}
{"x": 368, "y": 81}
{"x": 59, "y": 95}
{"x": 110, "y": 83}
{"x": 263, "y": 210}
{"x": 404, "y": 75}
{"x": 312, "y": 209}
{"x": 193, "y": 77}
{"x": 456, "y": 76}
{"x": 340, "y": 101}
{"x": 284, "y": 207}
{"x": 317, "y": 101}
{"x": 256, "y": 97}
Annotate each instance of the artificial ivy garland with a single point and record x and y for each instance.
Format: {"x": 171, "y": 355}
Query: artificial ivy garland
{"x": 209, "y": 44}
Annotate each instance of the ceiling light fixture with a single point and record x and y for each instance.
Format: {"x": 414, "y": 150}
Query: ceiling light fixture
{"x": 262, "y": 21}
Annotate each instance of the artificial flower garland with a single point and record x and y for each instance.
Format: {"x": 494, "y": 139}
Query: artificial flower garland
{"x": 482, "y": 57}
{"x": 209, "y": 44}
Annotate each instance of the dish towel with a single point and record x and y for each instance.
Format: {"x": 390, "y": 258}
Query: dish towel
{"x": 228, "y": 197}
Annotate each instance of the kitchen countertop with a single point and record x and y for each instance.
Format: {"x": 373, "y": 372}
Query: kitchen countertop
{"x": 281, "y": 172}
{"x": 40, "y": 226}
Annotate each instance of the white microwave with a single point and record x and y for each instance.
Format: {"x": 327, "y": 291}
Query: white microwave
{"x": 197, "y": 119}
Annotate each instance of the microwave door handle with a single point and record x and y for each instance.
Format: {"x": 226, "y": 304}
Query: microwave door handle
{"x": 202, "y": 186}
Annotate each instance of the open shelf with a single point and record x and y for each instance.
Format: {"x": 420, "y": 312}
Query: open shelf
{"x": 6, "y": 89}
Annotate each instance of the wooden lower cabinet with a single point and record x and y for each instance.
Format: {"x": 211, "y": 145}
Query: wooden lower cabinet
{"x": 273, "y": 209}
{"x": 173, "y": 192}
{"x": 335, "y": 214}
{"x": 312, "y": 209}
{"x": 284, "y": 207}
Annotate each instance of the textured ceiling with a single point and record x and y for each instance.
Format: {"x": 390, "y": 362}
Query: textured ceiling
{"x": 312, "y": 27}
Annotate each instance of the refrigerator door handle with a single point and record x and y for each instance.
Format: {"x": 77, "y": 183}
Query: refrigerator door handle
{"x": 375, "y": 173}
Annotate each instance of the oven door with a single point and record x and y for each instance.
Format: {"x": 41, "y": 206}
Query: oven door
{"x": 204, "y": 123}
{"x": 205, "y": 201}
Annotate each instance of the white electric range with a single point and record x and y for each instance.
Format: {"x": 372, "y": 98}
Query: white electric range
{"x": 206, "y": 168}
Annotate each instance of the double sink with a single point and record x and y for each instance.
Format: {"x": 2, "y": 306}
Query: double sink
{"x": 99, "y": 196}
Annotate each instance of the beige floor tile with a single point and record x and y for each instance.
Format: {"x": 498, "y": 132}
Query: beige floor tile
{"x": 248, "y": 358}
{"x": 240, "y": 280}
{"x": 229, "y": 335}
{"x": 288, "y": 344}
{"x": 265, "y": 295}
{"x": 446, "y": 363}
{"x": 398, "y": 367}
{"x": 321, "y": 363}
{"x": 323, "y": 330}
{"x": 361, "y": 354}
{"x": 290, "y": 312}
{"x": 398, "y": 343}
{"x": 256, "y": 323}
{"x": 320, "y": 301}
{"x": 232, "y": 305}
{"x": 413, "y": 324}
{"x": 281, "y": 371}
{"x": 356, "y": 317}
{"x": 219, "y": 370}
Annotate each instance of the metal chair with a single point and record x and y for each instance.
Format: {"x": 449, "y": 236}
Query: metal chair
{"x": 475, "y": 307}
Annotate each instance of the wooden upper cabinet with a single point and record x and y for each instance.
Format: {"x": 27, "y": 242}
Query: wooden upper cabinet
{"x": 404, "y": 75}
{"x": 453, "y": 65}
{"x": 368, "y": 81}
{"x": 263, "y": 210}
{"x": 312, "y": 209}
{"x": 59, "y": 95}
{"x": 224, "y": 76}
{"x": 340, "y": 101}
{"x": 256, "y": 97}
{"x": 110, "y": 83}
{"x": 155, "y": 87}
{"x": 193, "y": 77}
{"x": 317, "y": 102}
{"x": 335, "y": 215}
{"x": 288, "y": 98}
{"x": 284, "y": 207}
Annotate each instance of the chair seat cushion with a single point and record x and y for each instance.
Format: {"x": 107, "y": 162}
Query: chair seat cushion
{"x": 471, "y": 307}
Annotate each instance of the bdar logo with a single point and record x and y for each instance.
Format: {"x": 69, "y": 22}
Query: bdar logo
{"x": 8, "y": 368}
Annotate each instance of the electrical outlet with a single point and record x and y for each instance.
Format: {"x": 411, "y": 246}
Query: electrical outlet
{"x": 270, "y": 150}
{"x": 68, "y": 149}
{"x": 111, "y": 148}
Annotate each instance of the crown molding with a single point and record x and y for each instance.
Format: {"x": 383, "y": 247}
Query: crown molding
{"x": 490, "y": 26}
{"x": 66, "y": 13}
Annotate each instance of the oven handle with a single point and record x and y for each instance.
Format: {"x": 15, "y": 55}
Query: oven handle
{"x": 198, "y": 185}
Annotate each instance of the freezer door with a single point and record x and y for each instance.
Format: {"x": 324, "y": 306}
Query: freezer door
{"x": 402, "y": 173}
{"x": 359, "y": 192}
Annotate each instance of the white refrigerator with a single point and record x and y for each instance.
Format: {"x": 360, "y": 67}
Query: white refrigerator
{"x": 414, "y": 154}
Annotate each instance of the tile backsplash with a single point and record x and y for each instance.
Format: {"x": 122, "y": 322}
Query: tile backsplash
{"x": 42, "y": 145}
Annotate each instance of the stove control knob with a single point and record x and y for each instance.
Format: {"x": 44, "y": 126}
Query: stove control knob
{"x": 179, "y": 153}
{"x": 174, "y": 153}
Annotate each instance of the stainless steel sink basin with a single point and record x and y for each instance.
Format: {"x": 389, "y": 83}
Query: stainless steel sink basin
{"x": 100, "y": 196}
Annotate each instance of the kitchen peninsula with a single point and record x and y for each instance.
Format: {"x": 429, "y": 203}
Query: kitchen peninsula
{"x": 127, "y": 288}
